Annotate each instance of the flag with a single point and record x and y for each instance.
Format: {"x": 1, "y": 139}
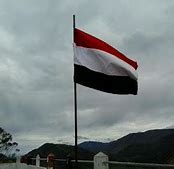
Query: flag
{"x": 100, "y": 66}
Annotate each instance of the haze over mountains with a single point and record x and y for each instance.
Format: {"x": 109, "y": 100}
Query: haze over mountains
{"x": 170, "y": 127}
{"x": 155, "y": 146}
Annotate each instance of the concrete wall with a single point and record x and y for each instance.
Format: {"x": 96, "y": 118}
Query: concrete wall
{"x": 18, "y": 166}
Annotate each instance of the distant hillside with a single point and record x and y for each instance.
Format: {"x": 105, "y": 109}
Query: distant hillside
{"x": 160, "y": 151}
{"x": 153, "y": 146}
{"x": 148, "y": 137}
{"x": 60, "y": 151}
{"x": 150, "y": 146}
{"x": 94, "y": 146}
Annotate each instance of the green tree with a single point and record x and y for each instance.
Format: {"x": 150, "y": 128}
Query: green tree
{"x": 6, "y": 143}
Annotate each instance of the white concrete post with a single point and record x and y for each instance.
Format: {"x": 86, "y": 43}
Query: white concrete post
{"x": 38, "y": 161}
{"x": 101, "y": 161}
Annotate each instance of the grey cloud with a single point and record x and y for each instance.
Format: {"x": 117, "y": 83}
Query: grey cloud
{"x": 83, "y": 138}
{"x": 36, "y": 69}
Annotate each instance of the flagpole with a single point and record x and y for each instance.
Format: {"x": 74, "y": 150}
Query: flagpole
{"x": 75, "y": 105}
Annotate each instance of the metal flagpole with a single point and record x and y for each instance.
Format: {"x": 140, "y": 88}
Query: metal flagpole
{"x": 75, "y": 107}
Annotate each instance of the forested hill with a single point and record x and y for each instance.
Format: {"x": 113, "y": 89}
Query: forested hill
{"x": 151, "y": 146}
{"x": 154, "y": 146}
{"x": 60, "y": 151}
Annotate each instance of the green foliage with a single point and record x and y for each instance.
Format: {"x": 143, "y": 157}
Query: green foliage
{"x": 6, "y": 143}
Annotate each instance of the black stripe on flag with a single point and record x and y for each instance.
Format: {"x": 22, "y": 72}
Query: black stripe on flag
{"x": 103, "y": 82}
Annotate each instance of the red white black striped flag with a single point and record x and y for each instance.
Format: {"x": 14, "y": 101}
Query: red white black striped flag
{"x": 100, "y": 66}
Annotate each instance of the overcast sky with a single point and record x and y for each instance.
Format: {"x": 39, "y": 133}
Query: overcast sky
{"x": 36, "y": 69}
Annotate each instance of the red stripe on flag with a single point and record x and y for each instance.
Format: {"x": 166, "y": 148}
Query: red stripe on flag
{"x": 86, "y": 40}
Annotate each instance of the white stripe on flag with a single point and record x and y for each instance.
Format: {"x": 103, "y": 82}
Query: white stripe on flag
{"x": 102, "y": 62}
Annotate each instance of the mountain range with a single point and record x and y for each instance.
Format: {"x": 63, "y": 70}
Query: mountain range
{"x": 153, "y": 146}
